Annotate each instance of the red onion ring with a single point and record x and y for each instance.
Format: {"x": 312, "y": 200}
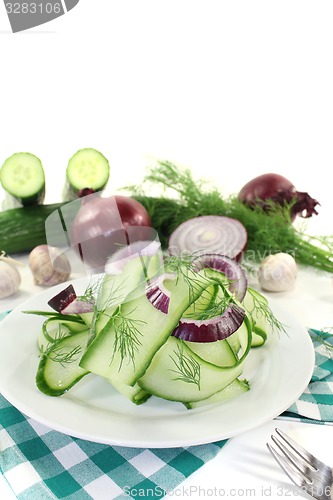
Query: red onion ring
{"x": 157, "y": 294}
{"x": 209, "y": 234}
{"x": 229, "y": 267}
{"x": 211, "y": 330}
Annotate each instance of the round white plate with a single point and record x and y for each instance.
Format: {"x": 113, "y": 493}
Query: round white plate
{"x": 278, "y": 373}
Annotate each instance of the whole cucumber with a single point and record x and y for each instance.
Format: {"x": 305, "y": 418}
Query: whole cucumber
{"x": 23, "y": 228}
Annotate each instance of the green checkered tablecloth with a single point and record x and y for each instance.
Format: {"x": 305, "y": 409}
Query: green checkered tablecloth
{"x": 40, "y": 463}
{"x": 316, "y": 402}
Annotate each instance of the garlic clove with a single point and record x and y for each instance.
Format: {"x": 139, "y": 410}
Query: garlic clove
{"x": 10, "y": 279}
{"x": 278, "y": 272}
{"x": 49, "y": 265}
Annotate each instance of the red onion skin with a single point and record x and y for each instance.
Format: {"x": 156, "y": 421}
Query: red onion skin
{"x": 62, "y": 300}
{"x": 157, "y": 295}
{"x": 103, "y": 225}
{"x": 280, "y": 190}
{"x": 211, "y": 330}
{"x": 132, "y": 212}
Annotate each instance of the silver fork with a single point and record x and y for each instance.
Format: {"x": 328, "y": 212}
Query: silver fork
{"x": 306, "y": 471}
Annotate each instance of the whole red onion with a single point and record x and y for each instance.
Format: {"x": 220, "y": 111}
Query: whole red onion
{"x": 277, "y": 189}
{"x": 103, "y": 225}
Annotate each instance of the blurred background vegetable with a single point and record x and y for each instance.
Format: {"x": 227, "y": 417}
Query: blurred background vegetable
{"x": 86, "y": 169}
{"x": 209, "y": 234}
{"x": 102, "y": 225}
{"x": 181, "y": 197}
{"x": 10, "y": 278}
{"x": 22, "y": 176}
{"x": 175, "y": 198}
{"x": 278, "y": 272}
{"x": 274, "y": 188}
{"x": 49, "y": 266}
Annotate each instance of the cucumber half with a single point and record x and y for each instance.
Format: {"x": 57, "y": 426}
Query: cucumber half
{"x": 22, "y": 176}
{"x": 88, "y": 168}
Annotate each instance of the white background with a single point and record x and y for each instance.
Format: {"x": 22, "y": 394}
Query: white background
{"x": 230, "y": 89}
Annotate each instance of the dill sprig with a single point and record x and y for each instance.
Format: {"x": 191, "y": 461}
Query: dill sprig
{"x": 218, "y": 308}
{"x": 62, "y": 355}
{"x": 106, "y": 306}
{"x": 127, "y": 336}
{"x": 116, "y": 292}
{"x": 184, "y": 267}
{"x": 91, "y": 290}
{"x": 214, "y": 305}
{"x": 182, "y": 197}
{"x": 61, "y": 331}
{"x": 261, "y": 308}
{"x": 188, "y": 368}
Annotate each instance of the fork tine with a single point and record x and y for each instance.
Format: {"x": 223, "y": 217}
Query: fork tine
{"x": 304, "y": 470}
{"x": 304, "y": 454}
{"x": 293, "y": 474}
{"x": 302, "y": 466}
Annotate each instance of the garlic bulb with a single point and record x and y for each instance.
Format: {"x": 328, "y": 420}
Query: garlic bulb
{"x": 277, "y": 273}
{"x": 10, "y": 279}
{"x": 48, "y": 265}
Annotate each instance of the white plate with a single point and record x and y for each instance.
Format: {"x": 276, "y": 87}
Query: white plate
{"x": 278, "y": 374}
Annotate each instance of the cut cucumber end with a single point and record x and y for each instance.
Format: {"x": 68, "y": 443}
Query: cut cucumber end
{"x": 22, "y": 176}
{"x": 88, "y": 168}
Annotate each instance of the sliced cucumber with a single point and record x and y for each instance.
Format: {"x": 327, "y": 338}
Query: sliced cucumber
{"x": 204, "y": 302}
{"x": 233, "y": 390}
{"x": 115, "y": 288}
{"x": 22, "y": 176}
{"x": 53, "y": 330}
{"x": 125, "y": 347}
{"x": 59, "y": 367}
{"x": 88, "y": 168}
{"x": 176, "y": 373}
{"x": 255, "y": 303}
{"x": 234, "y": 342}
{"x": 135, "y": 394}
{"x": 218, "y": 353}
{"x": 87, "y": 317}
{"x": 259, "y": 337}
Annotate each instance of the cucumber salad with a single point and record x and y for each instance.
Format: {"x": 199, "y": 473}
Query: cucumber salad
{"x": 175, "y": 328}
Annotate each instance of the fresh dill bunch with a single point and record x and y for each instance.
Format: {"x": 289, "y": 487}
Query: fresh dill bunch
{"x": 269, "y": 231}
